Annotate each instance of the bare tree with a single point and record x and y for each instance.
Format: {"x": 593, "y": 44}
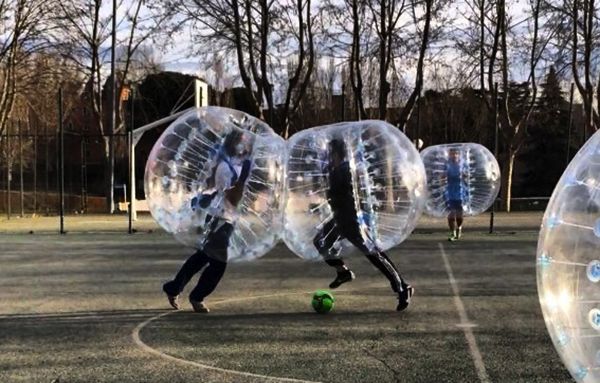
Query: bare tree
{"x": 513, "y": 122}
{"x": 496, "y": 58}
{"x": 256, "y": 32}
{"x": 584, "y": 13}
{"x": 318, "y": 107}
{"x": 142, "y": 24}
{"x": 425, "y": 39}
{"x": 381, "y": 38}
{"x": 81, "y": 34}
{"x": 387, "y": 14}
{"x": 574, "y": 50}
{"x": 299, "y": 18}
{"x": 22, "y": 24}
{"x": 355, "y": 61}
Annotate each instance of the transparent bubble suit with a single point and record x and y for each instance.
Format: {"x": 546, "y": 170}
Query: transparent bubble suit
{"x": 388, "y": 182}
{"x": 185, "y": 157}
{"x": 479, "y": 182}
{"x": 568, "y": 264}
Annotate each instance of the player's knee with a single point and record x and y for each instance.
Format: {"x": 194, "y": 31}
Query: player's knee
{"x": 334, "y": 262}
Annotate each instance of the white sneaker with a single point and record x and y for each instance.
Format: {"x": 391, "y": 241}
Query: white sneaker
{"x": 199, "y": 307}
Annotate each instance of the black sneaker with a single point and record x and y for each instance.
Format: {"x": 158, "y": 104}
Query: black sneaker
{"x": 343, "y": 277}
{"x": 404, "y": 297}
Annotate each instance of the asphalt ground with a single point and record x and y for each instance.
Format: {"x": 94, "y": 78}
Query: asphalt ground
{"x": 87, "y": 307}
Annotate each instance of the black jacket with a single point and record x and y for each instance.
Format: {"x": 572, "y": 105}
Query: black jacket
{"x": 340, "y": 194}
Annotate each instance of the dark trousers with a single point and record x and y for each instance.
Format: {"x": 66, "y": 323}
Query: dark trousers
{"x": 210, "y": 256}
{"x": 332, "y": 232}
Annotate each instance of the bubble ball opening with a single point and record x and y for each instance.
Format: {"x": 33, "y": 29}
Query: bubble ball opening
{"x": 568, "y": 276}
{"x": 387, "y": 181}
{"x": 465, "y": 174}
{"x": 205, "y": 146}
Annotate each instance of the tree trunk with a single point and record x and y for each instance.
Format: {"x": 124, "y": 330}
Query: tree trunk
{"x": 383, "y": 84}
{"x": 507, "y": 175}
{"x": 412, "y": 99}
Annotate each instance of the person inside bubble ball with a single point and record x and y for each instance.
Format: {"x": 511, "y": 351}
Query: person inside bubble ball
{"x": 456, "y": 193}
{"x": 220, "y": 201}
{"x": 345, "y": 225}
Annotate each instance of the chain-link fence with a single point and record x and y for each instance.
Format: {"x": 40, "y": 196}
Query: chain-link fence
{"x": 30, "y": 175}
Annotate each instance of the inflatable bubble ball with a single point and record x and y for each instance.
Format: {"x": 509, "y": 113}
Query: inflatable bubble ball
{"x": 568, "y": 264}
{"x": 364, "y": 178}
{"x": 463, "y": 176}
{"x": 216, "y": 165}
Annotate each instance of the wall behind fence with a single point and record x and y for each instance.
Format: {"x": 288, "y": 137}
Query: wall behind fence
{"x": 49, "y": 203}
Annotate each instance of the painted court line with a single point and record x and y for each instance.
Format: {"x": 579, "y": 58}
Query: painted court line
{"x": 138, "y": 341}
{"x": 464, "y": 322}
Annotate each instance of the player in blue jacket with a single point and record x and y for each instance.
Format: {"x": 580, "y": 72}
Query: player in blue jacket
{"x": 456, "y": 194}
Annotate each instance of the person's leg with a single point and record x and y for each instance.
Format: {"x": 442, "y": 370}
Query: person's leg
{"x": 324, "y": 242}
{"x": 216, "y": 250}
{"x": 404, "y": 290}
{"x": 382, "y": 262}
{"x": 208, "y": 281}
{"x": 326, "y": 239}
{"x": 456, "y": 211}
{"x": 451, "y": 224}
{"x": 191, "y": 266}
{"x": 451, "y": 221}
{"x": 459, "y": 222}
{"x": 379, "y": 259}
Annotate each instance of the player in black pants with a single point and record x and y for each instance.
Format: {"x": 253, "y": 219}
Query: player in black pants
{"x": 345, "y": 225}
{"x": 229, "y": 182}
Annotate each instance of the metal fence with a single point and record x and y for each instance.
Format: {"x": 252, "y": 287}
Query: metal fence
{"x": 31, "y": 169}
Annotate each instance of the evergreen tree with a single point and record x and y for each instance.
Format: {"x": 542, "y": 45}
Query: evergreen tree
{"x": 544, "y": 157}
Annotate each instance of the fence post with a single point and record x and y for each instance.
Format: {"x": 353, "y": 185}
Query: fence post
{"x": 35, "y": 157}
{"x": 495, "y": 150}
{"x": 8, "y": 174}
{"x": 61, "y": 156}
{"x": 131, "y": 147}
{"x": 21, "y": 184}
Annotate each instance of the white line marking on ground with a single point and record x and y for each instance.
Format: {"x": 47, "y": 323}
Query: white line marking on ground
{"x": 464, "y": 322}
{"x": 138, "y": 341}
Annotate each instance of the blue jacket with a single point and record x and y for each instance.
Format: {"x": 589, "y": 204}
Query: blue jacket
{"x": 456, "y": 189}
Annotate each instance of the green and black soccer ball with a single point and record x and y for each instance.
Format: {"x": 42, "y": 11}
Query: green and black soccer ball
{"x": 322, "y": 301}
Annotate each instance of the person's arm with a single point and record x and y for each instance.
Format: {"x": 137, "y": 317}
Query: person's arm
{"x": 223, "y": 176}
{"x": 235, "y": 193}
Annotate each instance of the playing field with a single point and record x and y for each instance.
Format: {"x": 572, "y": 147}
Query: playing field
{"x": 87, "y": 307}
